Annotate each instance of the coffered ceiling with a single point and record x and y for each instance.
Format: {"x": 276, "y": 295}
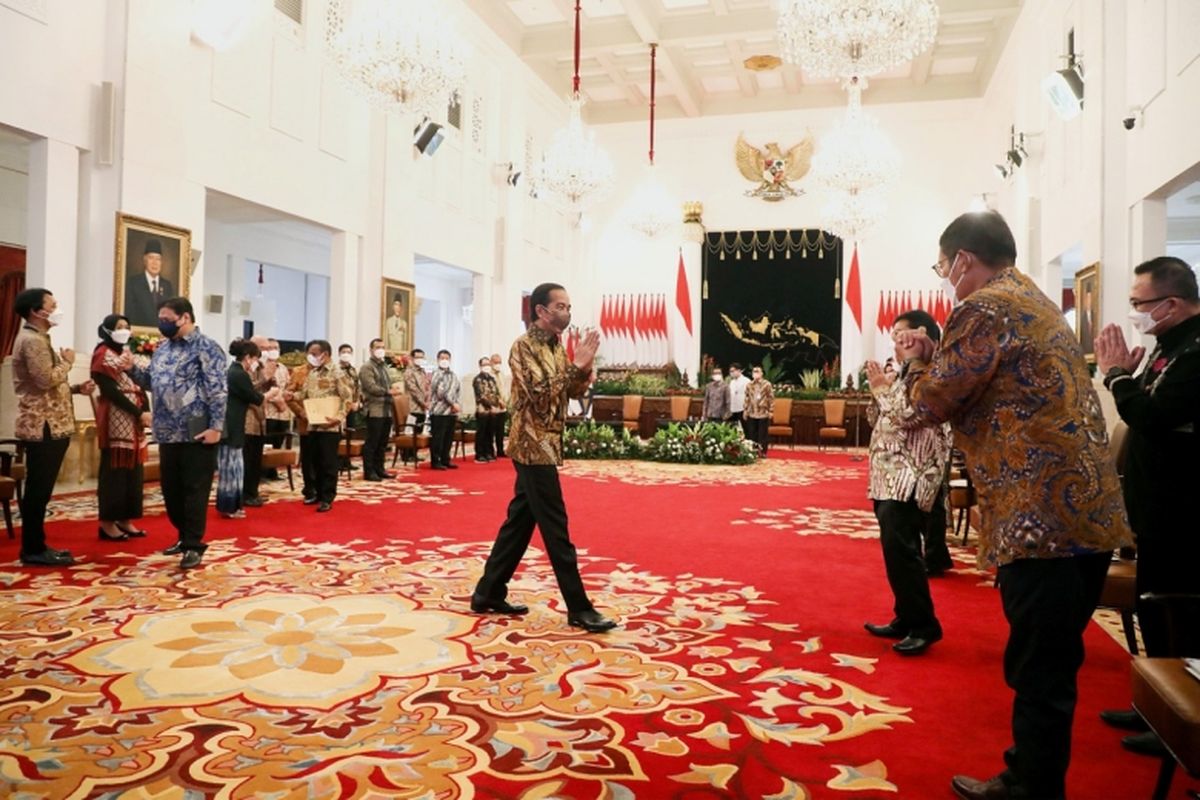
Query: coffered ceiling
{"x": 704, "y": 46}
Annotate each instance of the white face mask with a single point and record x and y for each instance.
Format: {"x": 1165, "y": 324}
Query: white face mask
{"x": 55, "y": 317}
{"x": 444, "y": 363}
{"x": 716, "y": 377}
{"x": 253, "y": 365}
{"x": 121, "y": 336}
{"x": 1144, "y": 321}
{"x": 486, "y": 369}
{"x": 314, "y": 360}
{"x": 346, "y": 358}
{"x": 379, "y": 353}
{"x": 420, "y": 362}
{"x": 495, "y": 367}
{"x": 949, "y": 287}
{"x": 271, "y": 355}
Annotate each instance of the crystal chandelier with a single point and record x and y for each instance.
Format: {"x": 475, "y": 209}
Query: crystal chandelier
{"x": 855, "y": 154}
{"x": 573, "y": 167}
{"x": 849, "y": 215}
{"x": 652, "y": 209}
{"x": 846, "y": 38}
{"x": 399, "y": 53}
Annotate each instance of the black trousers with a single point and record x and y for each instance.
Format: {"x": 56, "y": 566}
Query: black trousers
{"x": 308, "y": 468}
{"x": 42, "y": 461}
{"x": 498, "y": 423}
{"x": 900, "y": 528}
{"x": 1168, "y": 562}
{"x": 187, "y": 478}
{"x": 1048, "y": 603}
{"x": 756, "y": 430}
{"x": 323, "y": 454}
{"x": 118, "y": 489}
{"x": 375, "y": 446}
{"x": 418, "y": 423}
{"x": 276, "y": 428}
{"x": 537, "y": 500}
{"x": 937, "y": 554}
{"x": 441, "y": 430}
{"x": 252, "y": 455}
{"x": 485, "y": 442}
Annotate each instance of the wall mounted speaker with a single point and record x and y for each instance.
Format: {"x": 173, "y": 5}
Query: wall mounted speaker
{"x": 427, "y": 137}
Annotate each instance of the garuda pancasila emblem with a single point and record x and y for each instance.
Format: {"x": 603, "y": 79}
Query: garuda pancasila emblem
{"x": 771, "y": 169}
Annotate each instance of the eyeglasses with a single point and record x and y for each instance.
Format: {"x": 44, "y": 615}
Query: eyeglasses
{"x": 937, "y": 268}
{"x": 1134, "y": 302}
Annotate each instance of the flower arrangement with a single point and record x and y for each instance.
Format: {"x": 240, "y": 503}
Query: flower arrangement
{"x": 143, "y": 345}
{"x": 681, "y": 443}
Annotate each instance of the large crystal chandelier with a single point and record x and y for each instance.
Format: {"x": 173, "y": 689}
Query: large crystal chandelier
{"x": 651, "y": 208}
{"x": 399, "y": 53}
{"x": 855, "y": 154}
{"x": 849, "y": 215}
{"x": 845, "y": 38}
{"x": 574, "y": 168}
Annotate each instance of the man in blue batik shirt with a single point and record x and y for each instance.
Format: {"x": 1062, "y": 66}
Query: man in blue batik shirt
{"x": 188, "y": 384}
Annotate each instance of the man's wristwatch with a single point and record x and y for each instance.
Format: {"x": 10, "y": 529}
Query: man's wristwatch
{"x": 1112, "y": 374}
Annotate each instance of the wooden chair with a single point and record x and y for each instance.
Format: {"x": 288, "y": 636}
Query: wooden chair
{"x": 276, "y": 457}
{"x": 349, "y": 448}
{"x": 963, "y": 496}
{"x": 1166, "y": 696}
{"x": 462, "y": 438}
{"x": 781, "y": 421}
{"x": 404, "y": 434}
{"x": 12, "y": 463}
{"x": 8, "y": 489}
{"x": 631, "y": 410}
{"x": 680, "y": 404}
{"x": 834, "y": 429}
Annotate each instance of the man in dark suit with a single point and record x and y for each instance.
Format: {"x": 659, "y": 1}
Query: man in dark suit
{"x": 144, "y": 292}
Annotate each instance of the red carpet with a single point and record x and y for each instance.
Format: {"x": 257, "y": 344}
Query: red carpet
{"x": 328, "y": 655}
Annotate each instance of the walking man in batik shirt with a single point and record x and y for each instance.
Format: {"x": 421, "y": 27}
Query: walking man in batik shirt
{"x": 487, "y": 409}
{"x": 542, "y": 383}
{"x": 906, "y": 477}
{"x": 323, "y": 379}
{"x": 760, "y": 405}
{"x": 444, "y": 408}
{"x": 190, "y": 391}
{"x": 1010, "y": 377}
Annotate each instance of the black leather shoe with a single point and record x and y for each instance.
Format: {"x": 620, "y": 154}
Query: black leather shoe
{"x": 452, "y": 466}
{"x": 254, "y": 502}
{"x": 324, "y": 507}
{"x": 497, "y": 607}
{"x": 310, "y": 501}
{"x": 591, "y": 621}
{"x": 972, "y": 789}
{"x": 438, "y": 466}
{"x": 1145, "y": 744}
{"x": 1126, "y": 720}
{"x": 174, "y": 549}
{"x": 372, "y": 478}
{"x": 191, "y": 558}
{"x": 386, "y": 475}
{"x": 108, "y": 537}
{"x": 890, "y": 631}
{"x": 48, "y": 558}
{"x": 913, "y": 645}
{"x": 132, "y": 533}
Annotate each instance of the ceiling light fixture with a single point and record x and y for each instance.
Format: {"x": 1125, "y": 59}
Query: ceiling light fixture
{"x": 846, "y": 38}
{"x": 399, "y": 53}
{"x": 573, "y": 167}
{"x": 652, "y": 209}
{"x": 1064, "y": 88}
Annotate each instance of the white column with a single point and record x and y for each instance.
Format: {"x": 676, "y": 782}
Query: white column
{"x": 1147, "y": 240}
{"x": 345, "y": 271}
{"x": 54, "y": 226}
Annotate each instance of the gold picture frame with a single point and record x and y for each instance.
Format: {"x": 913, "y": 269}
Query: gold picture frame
{"x": 396, "y": 325}
{"x": 1087, "y": 309}
{"x": 137, "y": 241}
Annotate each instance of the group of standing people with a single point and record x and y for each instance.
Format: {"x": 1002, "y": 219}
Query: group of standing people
{"x": 751, "y": 403}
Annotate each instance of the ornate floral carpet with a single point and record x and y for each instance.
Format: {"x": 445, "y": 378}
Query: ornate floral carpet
{"x": 333, "y": 655}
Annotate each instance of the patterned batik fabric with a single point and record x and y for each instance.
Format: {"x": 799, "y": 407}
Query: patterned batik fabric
{"x": 906, "y": 463}
{"x": 445, "y": 392}
{"x": 543, "y": 382}
{"x": 416, "y": 384}
{"x": 716, "y": 401}
{"x": 1009, "y": 375}
{"x": 325, "y": 381}
{"x": 487, "y": 394}
{"x": 760, "y": 399}
{"x": 188, "y": 379}
{"x": 40, "y": 383}
{"x": 118, "y": 430}
{"x": 231, "y": 472}
{"x": 278, "y": 409}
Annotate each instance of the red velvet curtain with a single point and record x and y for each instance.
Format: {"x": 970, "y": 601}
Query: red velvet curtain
{"x": 12, "y": 281}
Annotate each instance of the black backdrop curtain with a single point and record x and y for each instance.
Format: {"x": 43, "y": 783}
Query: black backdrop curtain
{"x": 772, "y": 293}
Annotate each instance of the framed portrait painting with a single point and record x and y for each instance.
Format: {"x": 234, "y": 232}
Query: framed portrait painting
{"x": 398, "y": 316}
{"x": 153, "y": 263}
{"x": 1087, "y": 308}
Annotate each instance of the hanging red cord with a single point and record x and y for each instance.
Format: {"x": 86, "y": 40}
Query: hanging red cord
{"x": 575, "y": 85}
{"x": 653, "y": 74}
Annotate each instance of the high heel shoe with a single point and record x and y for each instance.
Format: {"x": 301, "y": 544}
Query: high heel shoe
{"x": 108, "y": 537}
{"x": 132, "y": 533}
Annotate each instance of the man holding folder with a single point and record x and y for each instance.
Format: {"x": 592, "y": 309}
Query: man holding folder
{"x": 322, "y": 400}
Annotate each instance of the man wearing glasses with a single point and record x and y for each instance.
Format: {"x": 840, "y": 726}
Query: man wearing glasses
{"x": 1161, "y": 406}
{"x": 1010, "y": 377}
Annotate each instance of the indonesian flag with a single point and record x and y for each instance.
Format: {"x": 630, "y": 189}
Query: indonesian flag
{"x": 682, "y": 296}
{"x": 853, "y": 292}
{"x": 570, "y": 335}
{"x": 880, "y": 322}
{"x": 852, "y": 343}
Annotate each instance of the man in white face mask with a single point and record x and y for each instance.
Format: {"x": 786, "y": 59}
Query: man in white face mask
{"x": 1161, "y": 406}
{"x": 279, "y": 416}
{"x": 377, "y": 394}
{"x": 1010, "y": 377}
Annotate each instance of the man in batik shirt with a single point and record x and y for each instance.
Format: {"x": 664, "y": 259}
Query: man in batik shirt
{"x": 323, "y": 379}
{"x": 1009, "y": 375}
{"x": 542, "y": 383}
{"x": 487, "y": 408}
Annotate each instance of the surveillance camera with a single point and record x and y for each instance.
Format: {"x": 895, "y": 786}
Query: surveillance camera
{"x": 1131, "y": 120}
